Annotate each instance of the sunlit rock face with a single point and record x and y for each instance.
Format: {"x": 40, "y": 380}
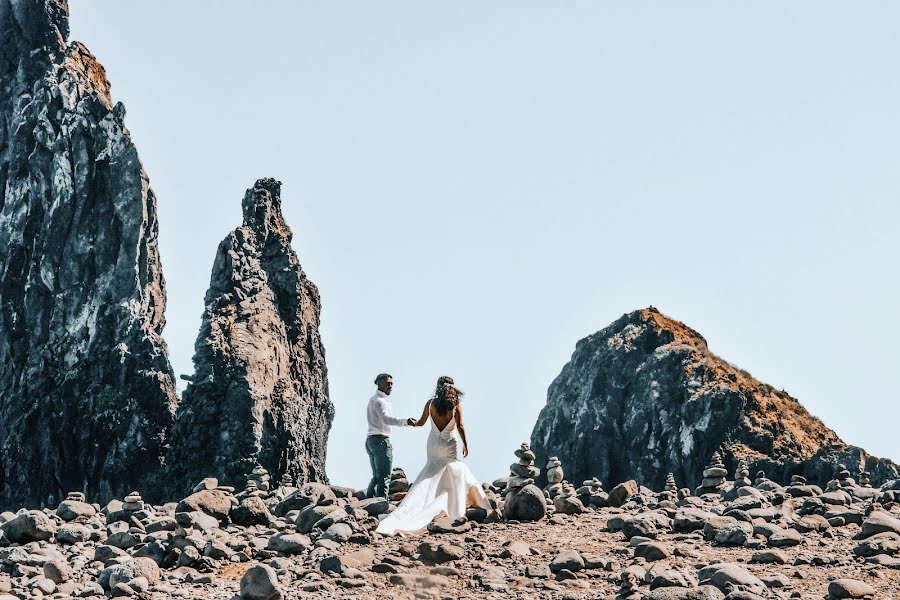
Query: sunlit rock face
{"x": 259, "y": 393}
{"x": 86, "y": 390}
{"x": 645, "y": 397}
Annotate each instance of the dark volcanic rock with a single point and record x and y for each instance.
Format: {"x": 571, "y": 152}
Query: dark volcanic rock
{"x": 86, "y": 387}
{"x": 647, "y": 397}
{"x": 259, "y": 393}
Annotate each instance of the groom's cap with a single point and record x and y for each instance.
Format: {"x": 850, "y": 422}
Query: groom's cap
{"x": 382, "y": 377}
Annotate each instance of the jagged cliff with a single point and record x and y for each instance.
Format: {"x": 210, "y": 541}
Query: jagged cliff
{"x": 645, "y": 396}
{"x": 260, "y": 390}
{"x": 86, "y": 390}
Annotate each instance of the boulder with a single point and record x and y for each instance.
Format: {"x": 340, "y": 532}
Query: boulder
{"x": 215, "y": 503}
{"x": 439, "y": 553}
{"x": 723, "y": 574}
{"x": 69, "y": 510}
{"x": 310, "y": 494}
{"x": 527, "y": 504}
{"x": 32, "y": 526}
{"x": 261, "y": 583}
{"x": 567, "y": 559}
{"x": 878, "y": 522}
{"x": 850, "y": 588}
{"x": 619, "y": 494}
{"x": 251, "y": 511}
{"x": 289, "y": 543}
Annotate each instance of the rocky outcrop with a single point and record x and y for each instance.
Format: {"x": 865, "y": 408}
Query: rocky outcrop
{"x": 259, "y": 393}
{"x": 645, "y": 397}
{"x": 86, "y": 390}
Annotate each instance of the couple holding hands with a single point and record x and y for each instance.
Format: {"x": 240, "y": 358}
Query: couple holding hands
{"x": 445, "y": 485}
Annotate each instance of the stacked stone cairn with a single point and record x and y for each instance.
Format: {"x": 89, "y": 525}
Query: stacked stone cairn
{"x": 133, "y": 502}
{"x": 522, "y": 500}
{"x": 523, "y": 472}
{"x": 591, "y": 493}
{"x": 399, "y": 485}
{"x": 554, "y": 477}
{"x": 286, "y": 487}
{"x": 75, "y": 497}
{"x": 765, "y": 484}
{"x": 742, "y": 475}
{"x": 842, "y": 479}
{"x": 864, "y": 478}
{"x": 74, "y": 506}
{"x": 713, "y": 476}
{"x": 567, "y": 502}
{"x": 628, "y": 587}
{"x": 260, "y": 476}
{"x": 671, "y": 487}
{"x": 251, "y": 490}
{"x": 125, "y": 520}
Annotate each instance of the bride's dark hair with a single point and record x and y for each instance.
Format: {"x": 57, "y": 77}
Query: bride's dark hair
{"x": 446, "y": 395}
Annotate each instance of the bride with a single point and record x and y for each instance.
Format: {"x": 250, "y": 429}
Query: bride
{"x": 445, "y": 484}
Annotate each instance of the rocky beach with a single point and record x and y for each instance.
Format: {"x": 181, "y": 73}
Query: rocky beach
{"x": 656, "y": 470}
{"x": 742, "y": 540}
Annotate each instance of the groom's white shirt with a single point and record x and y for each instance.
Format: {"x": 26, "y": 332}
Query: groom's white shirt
{"x": 380, "y": 417}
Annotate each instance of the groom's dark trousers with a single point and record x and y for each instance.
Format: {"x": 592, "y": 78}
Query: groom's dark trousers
{"x": 381, "y": 457}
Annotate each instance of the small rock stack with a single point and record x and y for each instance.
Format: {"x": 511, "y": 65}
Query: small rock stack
{"x": 133, "y": 502}
{"x": 713, "y": 476}
{"x": 554, "y": 477}
{"x": 567, "y": 501}
{"x": 628, "y": 587}
{"x": 399, "y": 485}
{"x": 523, "y": 472}
{"x": 251, "y": 490}
{"x": 842, "y": 479}
{"x": 286, "y": 487}
{"x": 74, "y": 497}
{"x": 671, "y": 487}
{"x": 763, "y": 483}
{"x": 742, "y": 475}
{"x": 591, "y": 493}
{"x": 522, "y": 500}
{"x": 74, "y": 506}
{"x": 864, "y": 478}
{"x": 260, "y": 476}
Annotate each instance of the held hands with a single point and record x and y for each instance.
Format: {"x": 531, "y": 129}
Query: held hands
{"x": 411, "y": 422}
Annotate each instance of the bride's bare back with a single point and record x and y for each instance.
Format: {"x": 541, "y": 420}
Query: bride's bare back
{"x": 442, "y": 420}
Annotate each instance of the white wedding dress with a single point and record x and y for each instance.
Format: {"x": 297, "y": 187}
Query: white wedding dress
{"x": 445, "y": 484}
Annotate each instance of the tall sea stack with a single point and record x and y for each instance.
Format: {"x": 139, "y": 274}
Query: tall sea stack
{"x": 259, "y": 393}
{"x": 645, "y": 397}
{"x": 86, "y": 389}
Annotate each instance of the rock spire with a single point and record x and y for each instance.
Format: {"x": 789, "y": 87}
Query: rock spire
{"x": 259, "y": 394}
{"x": 86, "y": 390}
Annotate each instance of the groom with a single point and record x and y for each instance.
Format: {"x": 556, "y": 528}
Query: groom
{"x": 378, "y": 445}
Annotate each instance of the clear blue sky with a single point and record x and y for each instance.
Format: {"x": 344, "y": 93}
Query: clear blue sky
{"x": 474, "y": 186}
